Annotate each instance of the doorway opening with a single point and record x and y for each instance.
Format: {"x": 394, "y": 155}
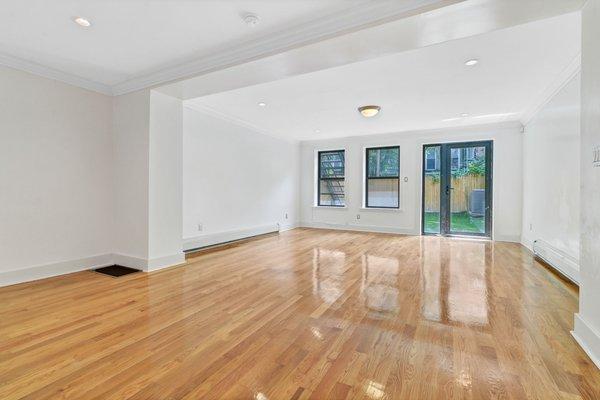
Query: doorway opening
{"x": 457, "y": 189}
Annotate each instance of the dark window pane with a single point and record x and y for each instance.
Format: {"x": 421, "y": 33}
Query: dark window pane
{"x": 332, "y": 192}
{"x": 383, "y": 192}
{"x": 383, "y": 162}
{"x": 331, "y": 178}
{"x": 332, "y": 164}
{"x": 383, "y": 170}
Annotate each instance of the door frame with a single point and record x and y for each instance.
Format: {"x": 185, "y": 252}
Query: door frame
{"x": 445, "y": 164}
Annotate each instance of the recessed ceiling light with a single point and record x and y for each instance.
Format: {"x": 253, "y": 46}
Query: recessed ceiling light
{"x": 369, "y": 111}
{"x": 262, "y": 104}
{"x": 464, "y": 115}
{"x": 317, "y": 131}
{"x": 471, "y": 62}
{"x": 82, "y": 22}
{"x": 251, "y": 20}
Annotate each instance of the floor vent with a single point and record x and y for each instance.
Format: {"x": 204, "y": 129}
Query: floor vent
{"x": 116, "y": 270}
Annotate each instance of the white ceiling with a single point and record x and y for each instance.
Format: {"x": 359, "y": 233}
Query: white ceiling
{"x": 420, "y": 89}
{"x": 130, "y": 39}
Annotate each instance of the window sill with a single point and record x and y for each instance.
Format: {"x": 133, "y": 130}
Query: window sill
{"x": 332, "y": 207}
{"x": 381, "y": 209}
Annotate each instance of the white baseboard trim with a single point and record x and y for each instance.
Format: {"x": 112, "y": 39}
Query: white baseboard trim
{"x": 559, "y": 260}
{"x": 227, "y": 236}
{"x": 507, "y": 238}
{"x": 54, "y": 269}
{"x": 157, "y": 263}
{"x": 67, "y": 267}
{"x": 130, "y": 261}
{"x": 526, "y": 242}
{"x": 289, "y": 227}
{"x": 588, "y": 338}
{"x": 358, "y": 228}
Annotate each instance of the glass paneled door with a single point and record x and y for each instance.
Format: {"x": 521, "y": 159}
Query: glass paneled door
{"x": 457, "y": 189}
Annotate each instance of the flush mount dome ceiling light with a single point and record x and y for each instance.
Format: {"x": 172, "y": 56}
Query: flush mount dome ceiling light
{"x": 82, "y": 22}
{"x": 472, "y": 62}
{"x": 369, "y": 111}
{"x": 251, "y": 19}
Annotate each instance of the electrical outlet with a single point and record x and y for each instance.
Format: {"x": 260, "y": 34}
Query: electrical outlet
{"x": 357, "y": 216}
{"x": 286, "y": 216}
{"x": 200, "y": 227}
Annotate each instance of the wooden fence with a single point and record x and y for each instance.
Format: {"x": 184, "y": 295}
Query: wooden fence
{"x": 460, "y": 195}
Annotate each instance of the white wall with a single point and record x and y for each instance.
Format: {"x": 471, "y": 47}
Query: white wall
{"x": 587, "y": 322}
{"x": 551, "y": 163}
{"x": 235, "y": 179}
{"x": 131, "y": 118}
{"x": 165, "y": 181}
{"x": 506, "y": 192}
{"x": 55, "y": 175}
{"x": 147, "y": 132}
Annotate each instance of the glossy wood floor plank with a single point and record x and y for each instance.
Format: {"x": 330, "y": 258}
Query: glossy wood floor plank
{"x": 307, "y": 314}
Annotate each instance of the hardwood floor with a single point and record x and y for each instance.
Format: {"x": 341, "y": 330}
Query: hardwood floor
{"x": 305, "y": 314}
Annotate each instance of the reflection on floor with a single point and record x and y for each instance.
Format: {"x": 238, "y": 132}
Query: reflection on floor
{"x": 305, "y": 314}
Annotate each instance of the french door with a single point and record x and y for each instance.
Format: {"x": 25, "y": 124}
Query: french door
{"x": 457, "y": 189}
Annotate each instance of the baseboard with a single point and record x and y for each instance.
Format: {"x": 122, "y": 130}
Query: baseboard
{"x": 527, "y": 243}
{"x": 54, "y": 269}
{"x": 588, "y": 338}
{"x": 557, "y": 259}
{"x": 507, "y": 238}
{"x": 358, "y": 228}
{"x": 227, "y": 236}
{"x": 157, "y": 263}
{"x": 130, "y": 261}
{"x": 289, "y": 227}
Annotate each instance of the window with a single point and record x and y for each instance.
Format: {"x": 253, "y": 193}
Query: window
{"x": 431, "y": 159}
{"x": 383, "y": 177}
{"x": 331, "y": 191}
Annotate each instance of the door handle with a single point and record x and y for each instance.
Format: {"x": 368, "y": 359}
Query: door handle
{"x": 448, "y": 189}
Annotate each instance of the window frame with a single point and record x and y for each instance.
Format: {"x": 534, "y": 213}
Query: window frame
{"x": 366, "y": 196}
{"x": 319, "y": 178}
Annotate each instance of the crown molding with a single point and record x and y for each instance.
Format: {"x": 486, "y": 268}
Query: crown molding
{"x": 563, "y": 78}
{"x": 201, "y": 108}
{"x": 347, "y": 21}
{"x": 353, "y": 19}
{"x": 51, "y": 73}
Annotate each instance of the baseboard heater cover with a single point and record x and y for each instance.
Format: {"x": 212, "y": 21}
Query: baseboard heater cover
{"x": 565, "y": 264}
{"x": 200, "y": 242}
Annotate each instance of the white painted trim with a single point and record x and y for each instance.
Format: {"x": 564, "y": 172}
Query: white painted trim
{"x": 51, "y": 73}
{"x": 204, "y": 109}
{"x": 54, "y": 269}
{"x": 552, "y": 90}
{"x": 227, "y": 236}
{"x": 557, "y": 259}
{"x": 326, "y": 27}
{"x": 588, "y": 338}
{"x": 157, "y": 263}
{"x": 149, "y": 265}
{"x": 381, "y": 209}
{"x": 130, "y": 261}
{"x": 359, "y": 228}
{"x": 507, "y": 238}
{"x": 289, "y": 227}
